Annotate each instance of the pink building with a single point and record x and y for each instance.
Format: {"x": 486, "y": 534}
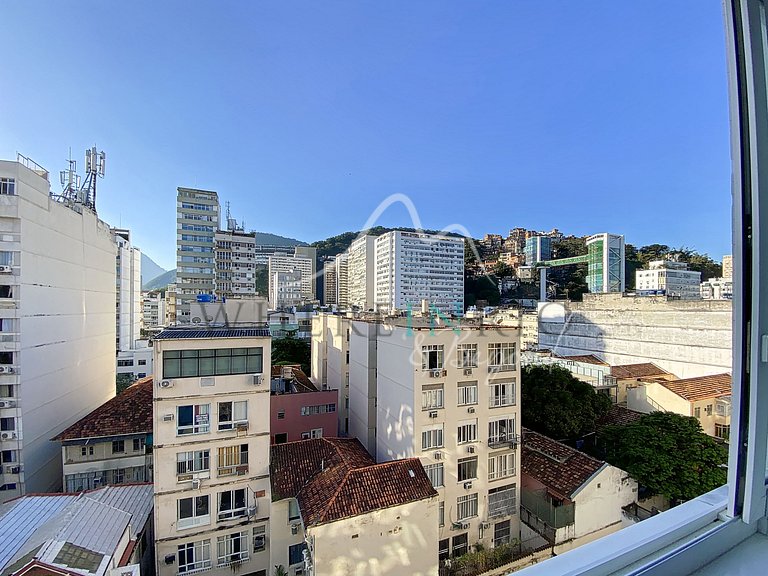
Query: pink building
{"x": 298, "y": 410}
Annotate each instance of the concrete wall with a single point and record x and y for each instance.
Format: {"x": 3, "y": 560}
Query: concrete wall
{"x": 282, "y": 535}
{"x": 294, "y": 423}
{"x": 362, "y": 384}
{"x": 598, "y": 505}
{"x": 394, "y": 541}
{"x": 687, "y": 338}
{"x": 329, "y": 360}
{"x": 63, "y": 312}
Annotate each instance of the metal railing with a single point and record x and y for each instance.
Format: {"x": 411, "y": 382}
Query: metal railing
{"x": 540, "y": 505}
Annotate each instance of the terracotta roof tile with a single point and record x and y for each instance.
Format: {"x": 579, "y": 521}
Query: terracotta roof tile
{"x": 130, "y": 412}
{"x": 301, "y": 380}
{"x": 637, "y": 370}
{"x": 619, "y": 416}
{"x": 562, "y": 469}
{"x": 700, "y": 388}
{"x": 586, "y": 358}
{"x": 335, "y": 478}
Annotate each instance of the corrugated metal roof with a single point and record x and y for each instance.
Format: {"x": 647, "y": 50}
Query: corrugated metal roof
{"x": 20, "y": 518}
{"x": 94, "y": 525}
{"x": 136, "y": 499}
{"x": 180, "y": 333}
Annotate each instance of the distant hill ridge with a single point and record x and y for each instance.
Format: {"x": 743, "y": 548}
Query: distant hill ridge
{"x": 337, "y": 244}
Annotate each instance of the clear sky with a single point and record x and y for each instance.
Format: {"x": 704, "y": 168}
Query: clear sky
{"x": 589, "y": 116}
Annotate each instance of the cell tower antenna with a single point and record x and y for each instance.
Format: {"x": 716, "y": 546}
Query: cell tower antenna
{"x": 73, "y": 191}
{"x": 70, "y": 181}
{"x": 231, "y": 222}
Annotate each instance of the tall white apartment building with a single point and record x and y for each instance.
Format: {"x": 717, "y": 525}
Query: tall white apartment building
{"x": 127, "y": 291}
{"x": 672, "y": 278}
{"x": 211, "y": 448}
{"x": 197, "y": 219}
{"x": 411, "y": 267}
{"x": 57, "y": 324}
{"x": 301, "y": 264}
{"x": 286, "y": 289}
{"x": 361, "y": 270}
{"x": 448, "y": 395}
{"x": 330, "y": 360}
{"x": 235, "y": 263}
{"x": 154, "y": 310}
{"x": 330, "y": 292}
{"x": 342, "y": 281}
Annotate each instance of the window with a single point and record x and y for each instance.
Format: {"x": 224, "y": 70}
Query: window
{"x": 259, "y": 538}
{"x": 501, "y": 533}
{"x": 232, "y": 413}
{"x": 697, "y": 412}
{"x": 501, "y": 465}
{"x": 7, "y": 424}
{"x": 441, "y": 513}
{"x": 86, "y": 451}
{"x": 432, "y": 397}
{"x": 467, "y": 468}
{"x": 435, "y": 474}
{"x": 466, "y": 506}
{"x": 8, "y": 186}
{"x": 118, "y": 476}
{"x": 138, "y": 445}
{"x": 194, "y": 556}
{"x": 296, "y": 554}
{"x": 232, "y": 548}
{"x": 443, "y": 548}
{"x": 232, "y": 504}
{"x": 467, "y": 393}
{"x": 432, "y": 357}
{"x": 319, "y": 409}
{"x": 460, "y": 545}
{"x": 501, "y": 356}
{"x": 293, "y": 510}
{"x": 191, "y": 462}
{"x": 466, "y": 355}
{"x": 281, "y": 414}
{"x": 233, "y": 460}
{"x": 501, "y": 432}
{"x": 192, "y": 419}
{"x": 193, "y": 512}
{"x": 281, "y": 438}
{"x": 314, "y": 433}
{"x": 123, "y": 363}
{"x": 8, "y": 456}
{"x": 212, "y": 362}
{"x": 142, "y": 362}
{"x": 501, "y": 501}
{"x": 467, "y": 432}
{"x": 708, "y": 409}
{"x": 6, "y": 258}
{"x": 432, "y": 438}
{"x": 723, "y": 431}
{"x": 502, "y": 393}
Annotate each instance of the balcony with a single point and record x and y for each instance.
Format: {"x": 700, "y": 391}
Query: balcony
{"x": 504, "y": 440}
{"x": 545, "y": 515}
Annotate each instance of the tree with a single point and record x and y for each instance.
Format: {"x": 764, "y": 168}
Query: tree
{"x": 291, "y": 350}
{"x": 667, "y": 453}
{"x": 123, "y": 381}
{"x": 557, "y": 404}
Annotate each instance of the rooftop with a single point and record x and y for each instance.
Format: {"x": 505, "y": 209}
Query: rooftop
{"x": 586, "y": 358}
{"x": 177, "y": 333}
{"x": 335, "y": 478}
{"x": 130, "y": 412}
{"x": 78, "y": 533}
{"x": 619, "y": 416}
{"x": 701, "y": 387}
{"x": 562, "y": 469}
{"x": 290, "y": 379}
{"x": 642, "y": 370}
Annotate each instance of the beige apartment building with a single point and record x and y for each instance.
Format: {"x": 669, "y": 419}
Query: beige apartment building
{"x": 330, "y": 359}
{"x": 446, "y": 394}
{"x": 211, "y": 435}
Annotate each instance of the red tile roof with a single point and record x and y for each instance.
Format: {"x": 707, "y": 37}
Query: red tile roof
{"x": 562, "y": 469}
{"x": 301, "y": 380}
{"x": 642, "y": 370}
{"x": 586, "y": 358}
{"x": 700, "y": 388}
{"x": 130, "y": 412}
{"x": 335, "y": 478}
{"x": 619, "y": 416}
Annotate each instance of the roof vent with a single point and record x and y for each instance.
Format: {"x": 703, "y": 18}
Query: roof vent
{"x": 411, "y": 474}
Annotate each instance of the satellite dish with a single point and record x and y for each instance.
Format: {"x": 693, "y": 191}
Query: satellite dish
{"x": 196, "y": 320}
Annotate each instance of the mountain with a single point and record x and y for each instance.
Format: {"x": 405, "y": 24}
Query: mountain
{"x": 275, "y": 240}
{"x": 161, "y": 281}
{"x": 149, "y": 269}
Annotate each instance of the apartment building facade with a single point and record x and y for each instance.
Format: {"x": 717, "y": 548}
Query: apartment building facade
{"x": 235, "y": 263}
{"x": 211, "y": 415}
{"x": 330, "y": 285}
{"x": 412, "y": 267}
{"x": 669, "y": 278}
{"x": 300, "y": 265}
{"x": 361, "y": 270}
{"x": 153, "y": 310}
{"x": 197, "y": 220}
{"x": 128, "y": 291}
{"x": 449, "y": 396}
{"x": 330, "y": 360}
{"x": 57, "y": 324}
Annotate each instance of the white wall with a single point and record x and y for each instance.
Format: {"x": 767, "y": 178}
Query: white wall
{"x": 362, "y": 384}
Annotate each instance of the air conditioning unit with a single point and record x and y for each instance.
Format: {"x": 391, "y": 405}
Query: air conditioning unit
{"x": 252, "y": 510}
{"x": 295, "y": 528}
{"x": 471, "y": 410}
{"x": 7, "y": 369}
{"x": 165, "y": 383}
{"x": 438, "y": 455}
{"x": 6, "y": 269}
{"x": 467, "y": 371}
{"x": 13, "y": 469}
{"x": 464, "y": 526}
{"x": 241, "y": 426}
{"x": 7, "y": 435}
{"x": 467, "y": 485}
{"x": 7, "y": 403}
{"x": 433, "y": 414}
{"x": 485, "y": 525}
{"x": 170, "y": 558}
{"x": 435, "y": 373}
{"x": 196, "y": 484}
{"x": 241, "y": 470}
{"x": 167, "y": 417}
{"x": 470, "y": 449}
{"x": 257, "y": 379}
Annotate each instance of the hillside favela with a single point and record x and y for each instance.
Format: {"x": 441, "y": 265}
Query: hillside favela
{"x": 445, "y": 289}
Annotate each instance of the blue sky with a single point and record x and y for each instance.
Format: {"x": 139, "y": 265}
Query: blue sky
{"x": 588, "y": 116}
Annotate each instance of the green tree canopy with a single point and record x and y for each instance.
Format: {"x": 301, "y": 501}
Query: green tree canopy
{"x": 123, "y": 381}
{"x": 291, "y": 350}
{"x": 557, "y": 404}
{"x": 667, "y": 453}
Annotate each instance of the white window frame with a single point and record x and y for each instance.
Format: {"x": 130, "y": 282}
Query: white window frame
{"x": 232, "y": 513}
{"x": 426, "y": 350}
{"x": 238, "y": 414}
{"x": 495, "y": 434}
{"x": 193, "y": 462}
{"x": 225, "y": 548}
{"x": 502, "y": 356}
{"x": 501, "y": 393}
{"x": 466, "y": 432}
{"x": 466, "y": 356}
{"x": 506, "y": 495}
{"x": 432, "y": 437}
{"x": 436, "y": 474}
{"x": 259, "y": 538}
{"x": 466, "y": 507}
{"x": 432, "y": 398}
{"x": 501, "y": 465}
{"x": 201, "y": 420}
{"x": 196, "y": 519}
{"x": 229, "y": 458}
{"x": 201, "y": 550}
{"x": 466, "y": 394}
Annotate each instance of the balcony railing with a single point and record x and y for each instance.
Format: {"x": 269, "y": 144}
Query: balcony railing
{"x": 501, "y": 440}
{"x": 500, "y": 401}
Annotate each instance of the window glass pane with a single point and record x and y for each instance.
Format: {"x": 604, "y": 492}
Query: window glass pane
{"x": 239, "y": 365}
{"x": 206, "y": 367}
{"x": 223, "y": 365}
{"x": 171, "y": 368}
{"x": 188, "y": 367}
